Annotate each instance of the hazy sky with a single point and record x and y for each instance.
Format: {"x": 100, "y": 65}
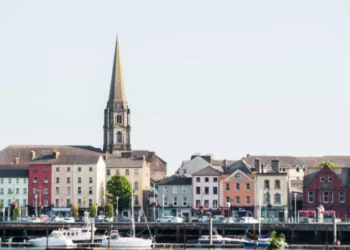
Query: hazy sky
{"x": 221, "y": 77}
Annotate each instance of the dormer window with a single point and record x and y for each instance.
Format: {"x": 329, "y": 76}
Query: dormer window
{"x": 268, "y": 167}
{"x": 185, "y": 171}
{"x": 238, "y": 176}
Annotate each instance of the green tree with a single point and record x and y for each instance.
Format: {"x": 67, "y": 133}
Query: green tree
{"x": 109, "y": 211}
{"x": 93, "y": 209}
{"x": 75, "y": 210}
{"x": 16, "y": 212}
{"x": 119, "y": 186}
{"x": 0, "y": 203}
{"x": 327, "y": 163}
{"x": 277, "y": 241}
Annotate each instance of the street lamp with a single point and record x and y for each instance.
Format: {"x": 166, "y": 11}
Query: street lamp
{"x": 163, "y": 204}
{"x": 116, "y": 211}
{"x": 36, "y": 205}
{"x": 295, "y": 206}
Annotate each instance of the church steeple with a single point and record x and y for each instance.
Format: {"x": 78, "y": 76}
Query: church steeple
{"x": 117, "y": 114}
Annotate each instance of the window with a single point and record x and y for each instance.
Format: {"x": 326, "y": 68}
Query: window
{"x": 227, "y": 199}
{"x": 68, "y": 180}
{"x": 330, "y": 178}
{"x": 298, "y": 168}
{"x": 165, "y": 189}
{"x": 184, "y": 190}
{"x": 46, "y": 180}
{"x": 17, "y": 190}
{"x": 2, "y": 180}
{"x": 1, "y": 191}
{"x": 247, "y": 186}
{"x": 35, "y": 190}
{"x": 35, "y": 180}
{"x": 277, "y": 184}
{"x": 238, "y": 200}
{"x": 9, "y": 202}
{"x": 215, "y": 203}
{"x": 215, "y": 190}
{"x": 68, "y": 190}
{"x": 198, "y": 190}
{"x": 79, "y": 169}
{"x": 57, "y": 169}
{"x": 325, "y": 197}
{"x": 35, "y": 170}
{"x": 277, "y": 199}
{"x": 46, "y": 203}
{"x": 119, "y": 137}
{"x": 198, "y": 179}
{"x": 198, "y": 203}
{"x": 206, "y": 203}
{"x": 57, "y": 190}
{"x": 68, "y": 202}
{"x": 341, "y": 197}
{"x": 247, "y": 200}
{"x": 136, "y": 199}
{"x": 24, "y": 190}
{"x": 165, "y": 200}
{"x": 46, "y": 170}
{"x": 57, "y": 180}
{"x": 79, "y": 180}
{"x": 25, "y": 181}
{"x": 238, "y": 176}
{"x": 184, "y": 171}
{"x": 126, "y": 171}
{"x": 10, "y": 180}
{"x": 79, "y": 202}
{"x": 136, "y": 172}
{"x": 267, "y": 198}
{"x": 174, "y": 189}
{"x": 184, "y": 201}
{"x": 266, "y": 184}
{"x": 24, "y": 204}
{"x": 90, "y": 190}
{"x": 206, "y": 190}
{"x": 206, "y": 179}
{"x": 46, "y": 191}
{"x": 108, "y": 172}
{"x": 90, "y": 180}
{"x": 136, "y": 185}
{"x": 237, "y": 186}
{"x": 119, "y": 119}
{"x": 17, "y": 181}
{"x": 117, "y": 171}
{"x": 57, "y": 203}
{"x": 175, "y": 201}
{"x": 90, "y": 169}
{"x": 227, "y": 186}
{"x": 9, "y": 191}
{"x": 321, "y": 179}
{"x": 68, "y": 169}
{"x": 215, "y": 179}
{"x": 90, "y": 202}
{"x": 79, "y": 190}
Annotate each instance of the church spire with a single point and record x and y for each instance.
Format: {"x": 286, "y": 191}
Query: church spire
{"x": 117, "y": 92}
{"x": 116, "y": 138}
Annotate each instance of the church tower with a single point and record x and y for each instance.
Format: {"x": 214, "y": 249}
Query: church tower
{"x": 117, "y": 113}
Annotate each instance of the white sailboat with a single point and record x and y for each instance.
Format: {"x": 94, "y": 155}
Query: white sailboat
{"x": 55, "y": 239}
{"x": 117, "y": 241}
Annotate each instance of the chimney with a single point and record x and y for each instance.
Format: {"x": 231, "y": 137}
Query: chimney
{"x": 105, "y": 157}
{"x": 224, "y": 165}
{"x": 17, "y": 160}
{"x": 55, "y": 154}
{"x": 32, "y": 155}
{"x": 257, "y": 164}
{"x": 275, "y": 164}
{"x": 262, "y": 168}
{"x": 207, "y": 158}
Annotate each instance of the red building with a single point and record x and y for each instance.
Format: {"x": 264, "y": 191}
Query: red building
{"x": 327, "y": 187}
{"x": 39, "y": 186}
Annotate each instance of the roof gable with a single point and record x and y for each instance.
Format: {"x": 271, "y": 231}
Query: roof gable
{"x": 208, "y": 171}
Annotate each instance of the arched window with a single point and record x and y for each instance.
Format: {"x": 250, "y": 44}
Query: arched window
{"x": 119, "y": 137}
{"x": 277, "y": 199}
{"x": 119, "y": 119}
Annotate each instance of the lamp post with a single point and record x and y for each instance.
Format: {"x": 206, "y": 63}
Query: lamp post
{"x": 36, "y": 205}
{"x": 295, "y": 207}
{"x": 163, "y": 204}
{"x": 116, "y": 211}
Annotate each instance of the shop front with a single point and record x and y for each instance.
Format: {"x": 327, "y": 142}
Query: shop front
{"x": 274, "y": 213}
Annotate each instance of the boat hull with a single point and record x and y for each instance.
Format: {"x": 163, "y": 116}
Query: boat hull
{"x": 41, "y": 242}
{"x": 252, "y": 244}
{"x": 127, "y": 243}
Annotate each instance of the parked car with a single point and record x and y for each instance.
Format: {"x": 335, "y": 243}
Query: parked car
{"x": 248, "y": 220}
{"x": 203, "y": 219}
{"x": 124, "y": 219}
{"x": 218, "y": 218}
{"x": 170, "y": 219}
{"x": 24, "y": 219}
{"x": 35, "y": 220}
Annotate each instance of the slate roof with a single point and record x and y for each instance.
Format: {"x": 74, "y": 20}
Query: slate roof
{"x": 43, "y": 153}
{"x": 208, "y": 171}
{"x": 14, "y": 171}
{"x": 238, "y": 165}
{"x": 342, "y": 173}
{"x": 176, "y": 180}
{"x": 67, "y": 159}
{"x": 121, "y": 162}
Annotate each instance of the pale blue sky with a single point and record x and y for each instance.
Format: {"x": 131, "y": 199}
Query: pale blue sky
{"x": 221, "y": 77}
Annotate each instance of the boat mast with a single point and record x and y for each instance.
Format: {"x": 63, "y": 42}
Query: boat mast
{"x": 260, "y": 212}
{"x": 132, "y": 205}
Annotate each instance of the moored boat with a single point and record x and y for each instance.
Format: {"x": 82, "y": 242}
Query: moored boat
{"x": 55, "y": 239}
